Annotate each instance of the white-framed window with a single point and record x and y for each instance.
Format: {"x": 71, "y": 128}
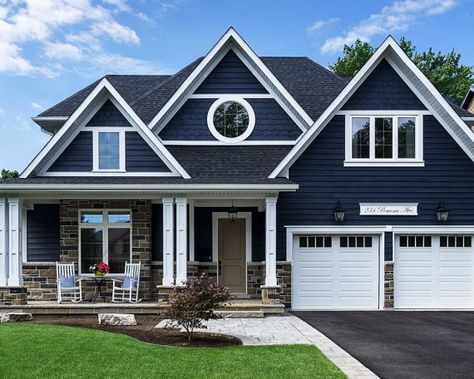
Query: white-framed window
{"x": 231, "y": 119}
{"x": 384, "y": 139}
{"x": 105, "y": 236}
{"x": 108, "y": 145}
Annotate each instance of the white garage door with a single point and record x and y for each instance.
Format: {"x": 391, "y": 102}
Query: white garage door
{"x": 434, "y": 271}
{"x": 335, "y": 272}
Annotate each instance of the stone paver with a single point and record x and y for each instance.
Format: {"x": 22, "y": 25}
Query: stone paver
{"x": 285, "y": 330}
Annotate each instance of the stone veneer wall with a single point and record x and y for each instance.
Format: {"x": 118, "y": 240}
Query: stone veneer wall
{"x": 40, "y": 281}
{"x": 256, "y": 278}
{"x": 389, "y": 285}
{"x": 12, "y": 296}
{"x": 69, "y": 242}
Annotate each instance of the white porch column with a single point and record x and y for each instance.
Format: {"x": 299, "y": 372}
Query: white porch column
{"x": 181, "y": 240}
{"x": 168, "y": 241}
{"x": 14, "y": 243}
{"x": 270, "y": 241}
{"x": 3, "y": 243}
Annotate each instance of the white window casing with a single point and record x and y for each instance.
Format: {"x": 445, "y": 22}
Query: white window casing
{"x": 95, "y": 148}
{"x": 181, "y": 240}
{"x": 384, "y": 162}
{"x": 168, "y": 241}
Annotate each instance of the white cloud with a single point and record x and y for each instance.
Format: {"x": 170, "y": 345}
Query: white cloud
{"x": 397, "y": 17}
{"x": 144, "y": 17}
{"x": 64, "y": 30}
{"x": 318, "y": 25}
{"x": 36, "y": 106}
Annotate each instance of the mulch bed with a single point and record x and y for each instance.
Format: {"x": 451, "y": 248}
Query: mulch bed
{"x": 144, "y": 331}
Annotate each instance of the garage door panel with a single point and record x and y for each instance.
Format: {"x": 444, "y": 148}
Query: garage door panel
{"x": 336, "y": 278}
{"x": 440, "y": 277}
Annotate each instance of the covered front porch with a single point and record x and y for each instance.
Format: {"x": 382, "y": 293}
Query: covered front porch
{"x": 229, "y": 236}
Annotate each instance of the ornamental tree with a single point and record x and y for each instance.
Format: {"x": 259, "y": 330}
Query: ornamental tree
{"x": 195, "y": 302}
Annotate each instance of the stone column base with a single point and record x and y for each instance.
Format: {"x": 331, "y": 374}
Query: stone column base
{"x": 164, "y": 293}
{"x": 270, "y": 294}
{"x": 13, "y": 296}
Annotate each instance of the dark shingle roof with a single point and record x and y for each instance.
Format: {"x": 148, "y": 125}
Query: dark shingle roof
{"x": 312, "y": 86}
{"x": 460, "y": 111}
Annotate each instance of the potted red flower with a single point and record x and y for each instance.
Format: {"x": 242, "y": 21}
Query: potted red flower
{"x": 100, "y": 269}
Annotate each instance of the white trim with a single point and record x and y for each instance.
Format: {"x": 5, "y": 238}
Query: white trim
{"x": 191, "y": 230}
{"x": 379, "y": 231}
{"x": 181, "y": 240}
{"x": 389, "y": 45}
{"x": 468, "y": 118}
{"x": 248, "y": 239}
{"x": 131, "y": 116}
{"x": 212, "y": 127}
{"x": 433, "y": 229}
{"x": 230, "y": 37}
{"x": 168, "y": 241}
{"x": 102, "y": 173}
{"x": 270, "y": 241}
{"x": 220, "y": 143}
{"x": 3, "y": 242}
{"x": 105, "y": 226}
{"x": 463, "y": 102}
{"x": 241, "y": 95}
{"x": 50, "y": 118}
{"x": 388, "y": 113}
{"x": 95, "y": 149}
{"x": 15, "y": 276}
{"x": 382, "y": 163}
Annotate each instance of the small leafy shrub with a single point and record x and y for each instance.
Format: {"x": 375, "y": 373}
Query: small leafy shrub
{"x": 194, "y": 302}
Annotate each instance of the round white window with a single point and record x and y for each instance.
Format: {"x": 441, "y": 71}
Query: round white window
{"x": 231, "y": 120}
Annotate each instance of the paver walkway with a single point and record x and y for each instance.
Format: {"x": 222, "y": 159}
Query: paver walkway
{"x": 288, "y": 329}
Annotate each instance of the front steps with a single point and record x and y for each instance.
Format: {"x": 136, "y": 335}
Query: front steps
{"x": 234, "y": 308}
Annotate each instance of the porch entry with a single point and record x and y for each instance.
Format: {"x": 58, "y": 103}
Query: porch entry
{"x": 232, "y": 249}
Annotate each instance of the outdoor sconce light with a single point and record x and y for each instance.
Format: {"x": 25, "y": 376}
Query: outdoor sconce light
{"x": 232, "y": 213}
{"x": 339, "y": 213}
{"x": 442, "y": 212}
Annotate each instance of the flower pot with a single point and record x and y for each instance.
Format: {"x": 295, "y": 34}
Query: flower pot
{"x": 98, "y": 273}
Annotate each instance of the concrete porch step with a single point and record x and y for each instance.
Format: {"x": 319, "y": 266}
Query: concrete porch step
{"x": 240, "y": 314}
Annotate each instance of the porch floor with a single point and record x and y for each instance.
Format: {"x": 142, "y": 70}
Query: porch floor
{"x": 233, "y": 308}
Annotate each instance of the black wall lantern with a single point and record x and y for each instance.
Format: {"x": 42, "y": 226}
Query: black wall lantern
{"x": 339, "y": 213}
{"x": 442, "y": 212}
{"x": 232, "y": 213}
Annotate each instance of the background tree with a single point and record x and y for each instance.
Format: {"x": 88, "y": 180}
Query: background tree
{"x": 448, "y": 75}
{"x": 7, "y": 174}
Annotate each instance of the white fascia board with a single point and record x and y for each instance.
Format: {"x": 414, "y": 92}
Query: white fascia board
{"x": 230, "y": 35}
{"x": 468, "y": 118}
{"x": 52, "y": 142}
{"x": 149, "y": 187}
{"x": 118, "y": 101}
{"x": 463, "y": 102}
{"x": 352, "y": 86}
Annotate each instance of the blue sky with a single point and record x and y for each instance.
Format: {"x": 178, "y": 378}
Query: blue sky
{"x": 51, "y": 48}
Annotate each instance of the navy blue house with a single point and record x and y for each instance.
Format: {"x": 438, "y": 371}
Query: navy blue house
{"x": 273, "y": 175}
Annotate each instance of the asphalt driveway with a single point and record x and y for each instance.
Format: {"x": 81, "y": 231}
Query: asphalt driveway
{"x": 397, "y": 344}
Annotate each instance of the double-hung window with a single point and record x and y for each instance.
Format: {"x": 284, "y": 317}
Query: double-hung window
{"x": 104, "y": 236}
{"x": 109, "y": 149}
{"x": 384, "y": 140}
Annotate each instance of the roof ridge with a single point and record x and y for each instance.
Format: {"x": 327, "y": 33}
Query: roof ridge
{"x": 325, "y": 69}
{"x": 143, "y": 75}
{"x": 151, "y": 90}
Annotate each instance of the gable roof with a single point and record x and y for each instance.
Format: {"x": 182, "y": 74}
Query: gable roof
{"x": 418, "y": 83}
{"x": 467, "y": 97}
{"x": 96, "y": 98}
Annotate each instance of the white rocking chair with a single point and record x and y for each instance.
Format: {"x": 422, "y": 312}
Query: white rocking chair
{"x": 126, "y": 290}
{"x": 68, "y": 285}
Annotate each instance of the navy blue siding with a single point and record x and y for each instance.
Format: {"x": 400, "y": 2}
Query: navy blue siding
{"x": 448, "y": 176}
{"x": 384, "y": 90}
{"x": 203, "y": 233}
{"x": 231, "y": 76}
{"x": 190, "y": 123}
{"x": 43, "y": 233}
{"x": 140, "y": 157}
{"x": 388, "y": 246}
{"x": 108, "y": 115}
{"x": 157, "y": 232}
{"x": 77, "y": 157}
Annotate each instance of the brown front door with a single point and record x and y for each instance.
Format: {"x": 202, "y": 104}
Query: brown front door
{"x": 232, "y": 254}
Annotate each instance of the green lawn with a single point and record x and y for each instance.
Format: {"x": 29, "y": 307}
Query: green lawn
{"x": 47, "y": 351}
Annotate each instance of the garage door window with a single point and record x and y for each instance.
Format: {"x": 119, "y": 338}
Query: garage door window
{"x": 356, "y": 241}
{"x": 455, "y": 241}
{"x": 415, "y": 241}
{"x": 315, "y": 241}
